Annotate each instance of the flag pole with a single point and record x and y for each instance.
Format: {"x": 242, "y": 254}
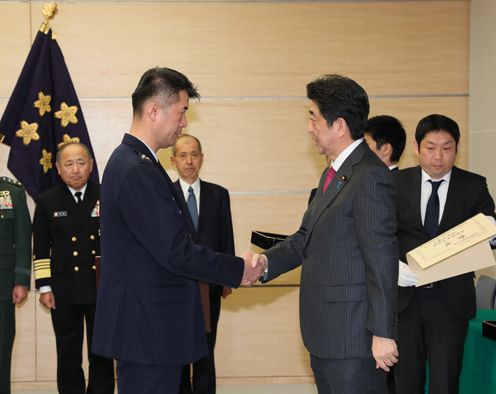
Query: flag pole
{"x": 49, "y": 11}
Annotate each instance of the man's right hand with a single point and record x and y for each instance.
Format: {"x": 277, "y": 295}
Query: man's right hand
{"x": 253, "y": 269}
{"x": 47, "y": 300}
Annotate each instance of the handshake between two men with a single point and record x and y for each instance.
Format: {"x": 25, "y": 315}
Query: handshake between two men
{"x": 255, "y": 266}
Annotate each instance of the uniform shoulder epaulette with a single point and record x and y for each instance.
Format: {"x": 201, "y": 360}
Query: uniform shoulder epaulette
{"x": 11, "y": 181}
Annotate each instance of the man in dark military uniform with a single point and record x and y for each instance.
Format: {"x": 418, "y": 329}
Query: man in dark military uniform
{"x": 66, "y": 242}
{"x": 15, "y": 267}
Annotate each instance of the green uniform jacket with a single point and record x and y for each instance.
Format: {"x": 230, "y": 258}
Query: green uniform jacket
{"x": 15, "y": 238}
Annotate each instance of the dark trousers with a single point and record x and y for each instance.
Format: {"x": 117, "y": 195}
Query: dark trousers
{"x": 7, "y": 332}
{"x": 68, "y": 323}
{"x": 428, "y": 331}
{"x": 135, "y": 378}
{"x": 202, "y": 379}
{"x": 348, "y": 376}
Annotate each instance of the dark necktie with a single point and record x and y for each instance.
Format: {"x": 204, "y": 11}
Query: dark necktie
{"x": 431, "y": 221}
{"x": 192, "y": 207}
{"x": 78, "y": 197}
{"x": 330, "y": 174}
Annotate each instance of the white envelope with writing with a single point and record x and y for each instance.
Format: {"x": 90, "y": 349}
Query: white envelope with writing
{"x": 462, "y": 249}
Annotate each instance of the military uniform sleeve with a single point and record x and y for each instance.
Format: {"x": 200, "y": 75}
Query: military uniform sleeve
{"x": 22, "y": 239}
{"x": 41, "y": 248}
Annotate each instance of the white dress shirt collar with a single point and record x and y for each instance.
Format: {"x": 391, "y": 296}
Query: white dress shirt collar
{"x": 148, "y": 146}
{"x": 82, "y": 190}
{"x": 336, "y": 164}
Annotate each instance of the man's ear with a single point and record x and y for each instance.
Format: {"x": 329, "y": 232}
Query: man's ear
{"x": 386, "y": 149}
{"x": 151, "y": 110}
{"x": 416, "y": 148}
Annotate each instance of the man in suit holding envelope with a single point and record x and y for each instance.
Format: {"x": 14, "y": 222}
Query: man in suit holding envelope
{"x": 433, "y": 319}
{"x": 347, "y": 248}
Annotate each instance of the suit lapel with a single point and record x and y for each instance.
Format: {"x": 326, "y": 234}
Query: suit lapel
{"x": 451, "y": 199}
{"x": 184, "y": 207}
{"x": 204, "y": 197}
{"x": 69, "y": 205}
{"x": 415, "y": 197}
{"x": 338, "y": 183}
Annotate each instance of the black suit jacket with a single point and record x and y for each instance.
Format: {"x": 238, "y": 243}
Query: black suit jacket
{"x": 215, "y": 228}
{"x": 467, "y": 196}
{"x": 66, "y": 242}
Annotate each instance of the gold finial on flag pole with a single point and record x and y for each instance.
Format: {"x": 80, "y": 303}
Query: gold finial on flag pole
{"x": 49, "y": 11}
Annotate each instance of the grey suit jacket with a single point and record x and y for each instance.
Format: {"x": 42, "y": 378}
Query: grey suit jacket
{"x": 347, "y": 247}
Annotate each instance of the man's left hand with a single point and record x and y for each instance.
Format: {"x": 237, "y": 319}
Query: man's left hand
{"x": 385, "y": 352}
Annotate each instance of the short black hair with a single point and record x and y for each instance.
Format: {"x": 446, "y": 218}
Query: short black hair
{"x": 341, "y": 97}
{"x": 161, "y": 81}
{"x": 436, "y": 122}
{"x": 386, "y": 129}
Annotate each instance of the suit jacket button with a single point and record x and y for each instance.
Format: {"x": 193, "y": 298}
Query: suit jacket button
{"x": 92, "y": 237}
{"x": 76, "y": 268}
{"x": 93, "y": 252}
{"x": 75, "y": 253}
{"x": 73, "y": 239}
{"x": 94, "y": 267}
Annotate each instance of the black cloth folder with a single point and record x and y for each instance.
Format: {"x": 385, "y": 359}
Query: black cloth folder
{"x": 266, "y": 240}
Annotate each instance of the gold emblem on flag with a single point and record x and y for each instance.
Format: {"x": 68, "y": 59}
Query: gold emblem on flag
{"x": 46, "y": 161}
{"x": 43, "y": 103}
{"x": 67, "y": 114}
{"x": 66, "y": 139}
{"x": 28, "y": 132}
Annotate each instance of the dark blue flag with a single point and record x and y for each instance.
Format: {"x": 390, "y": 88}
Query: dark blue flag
{"x": 42, "y": 114}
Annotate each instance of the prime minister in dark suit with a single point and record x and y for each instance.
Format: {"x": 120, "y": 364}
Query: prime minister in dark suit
{"x": 66, "y": 242}
{"x": 347, "y": 248}
{"x": 433, "y": 319}
{"x": 149, "y": 315}
{"x": 210, "y": 210}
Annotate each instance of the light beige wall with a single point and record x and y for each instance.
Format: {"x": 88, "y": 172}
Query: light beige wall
{"x": 482, "y": 103}
{"x": 251, "y": 61}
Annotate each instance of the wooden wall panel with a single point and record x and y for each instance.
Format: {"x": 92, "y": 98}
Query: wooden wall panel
{"x": 251, "y": 61}
{"x": 23, "y": 354}
{"x": 267, "y": 49}
{"x": 15, "y": 41}
{"x": 259, "y": 334}
{"x": 46, "y": 352}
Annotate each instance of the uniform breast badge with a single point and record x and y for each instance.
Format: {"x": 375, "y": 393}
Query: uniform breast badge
{"x": 5, "y": 200}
